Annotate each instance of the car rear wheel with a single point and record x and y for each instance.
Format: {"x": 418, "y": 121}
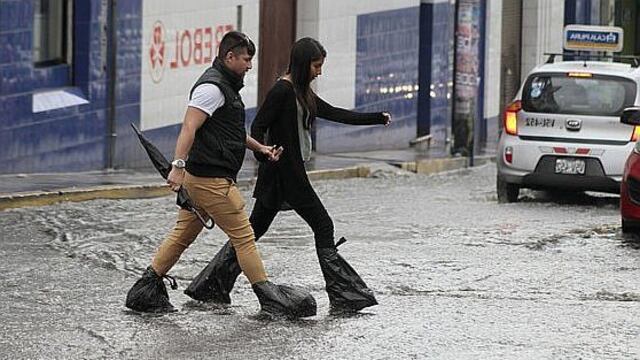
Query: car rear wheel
{"x": 507, "y": 192}
{"x": 628, "y": 227}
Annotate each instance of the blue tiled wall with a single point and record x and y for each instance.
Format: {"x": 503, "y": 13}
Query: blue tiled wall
{"x": 67, "y": 139}
{"x": 436, "y": 71}
{"x": 387, "y": 57}
{"x": 72, "y": 138}
{"x": 128, "y": 153}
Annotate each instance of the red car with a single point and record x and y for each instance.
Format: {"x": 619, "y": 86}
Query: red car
{"x": 630, "y": 186}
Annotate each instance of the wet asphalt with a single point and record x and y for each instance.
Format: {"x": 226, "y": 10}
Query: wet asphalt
{"x": 457, "y": 276}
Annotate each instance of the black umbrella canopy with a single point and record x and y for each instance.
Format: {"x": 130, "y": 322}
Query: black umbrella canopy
{"x": 159, "y": 161}
{"x": 164, "y": 167}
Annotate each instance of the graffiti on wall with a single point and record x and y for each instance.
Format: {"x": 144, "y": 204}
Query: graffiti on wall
{"x": 467, "y": 74}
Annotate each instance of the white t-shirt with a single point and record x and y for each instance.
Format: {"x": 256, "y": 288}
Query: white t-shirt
{"x": 207, "y": 97}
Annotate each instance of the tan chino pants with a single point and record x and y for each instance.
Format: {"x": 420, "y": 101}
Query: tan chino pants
{"x": 221, "y": 199}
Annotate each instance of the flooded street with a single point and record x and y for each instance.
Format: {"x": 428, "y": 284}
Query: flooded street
{"x": 457, "y": 275}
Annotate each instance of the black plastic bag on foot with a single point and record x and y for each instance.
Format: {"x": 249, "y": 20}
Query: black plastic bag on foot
{"x": 346, "y": 289}
{"x": 215, "y": 282}
{"x": 283, "y": 300}
{"x": 149, "y": 294}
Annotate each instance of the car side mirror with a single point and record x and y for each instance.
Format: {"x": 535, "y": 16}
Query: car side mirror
{"x": 631, "y": 116}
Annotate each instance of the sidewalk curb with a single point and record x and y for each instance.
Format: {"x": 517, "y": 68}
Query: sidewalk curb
{"x": 43, "y": 198}
{"x": 434, "y": 166}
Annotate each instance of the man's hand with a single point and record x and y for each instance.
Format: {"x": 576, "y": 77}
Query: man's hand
{"x": 272, "y": 152}
{"x": 387, "y": 120}
{"x": 175, "y": 178}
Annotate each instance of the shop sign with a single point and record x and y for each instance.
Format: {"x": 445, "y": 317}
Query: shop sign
{"x": 593, "y": 38}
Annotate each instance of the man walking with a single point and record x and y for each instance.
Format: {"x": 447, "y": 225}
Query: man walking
{"x": 209, "y": 153}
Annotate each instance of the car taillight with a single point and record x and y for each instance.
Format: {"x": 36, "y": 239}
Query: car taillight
{"x": 636, "y": 133}
{"x": 511, "y": 118}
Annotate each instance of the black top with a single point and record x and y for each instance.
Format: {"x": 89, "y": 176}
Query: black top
{"x": 219, "y": 145}
{"x": 276, "y": 124}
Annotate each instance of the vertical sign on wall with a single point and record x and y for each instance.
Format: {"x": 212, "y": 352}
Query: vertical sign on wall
{"x": 180, "y": 40}
{"x": 467, "y": 71}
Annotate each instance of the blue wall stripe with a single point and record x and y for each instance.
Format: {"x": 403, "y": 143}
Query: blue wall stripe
{"x": 436, "y": 71}
{"x": 424, "y": 73}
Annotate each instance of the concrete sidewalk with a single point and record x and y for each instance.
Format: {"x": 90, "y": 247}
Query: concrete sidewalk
{"x": 19, "y": 190}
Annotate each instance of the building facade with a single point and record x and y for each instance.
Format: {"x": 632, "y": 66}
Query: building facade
{"x": 75, "y": 74}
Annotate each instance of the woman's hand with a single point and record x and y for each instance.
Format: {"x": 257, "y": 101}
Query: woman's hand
{"x": 175, "y": 178}
{"x": 387, "y": 118}
{"x": 272, "y": 152}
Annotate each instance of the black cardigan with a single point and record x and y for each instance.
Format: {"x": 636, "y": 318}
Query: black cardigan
{"x": 276, "y": 124}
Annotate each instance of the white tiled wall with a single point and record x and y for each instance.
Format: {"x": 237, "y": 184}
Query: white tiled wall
{"x": 542, "y": 26}
{"x": 163, "y": 102}
{"x": 493, "y": 52}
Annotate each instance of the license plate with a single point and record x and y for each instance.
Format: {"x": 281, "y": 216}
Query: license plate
{"x": 570, "y": 166}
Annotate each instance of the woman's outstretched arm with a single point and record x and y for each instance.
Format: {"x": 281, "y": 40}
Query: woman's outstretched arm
{"x": 330, "y": 112}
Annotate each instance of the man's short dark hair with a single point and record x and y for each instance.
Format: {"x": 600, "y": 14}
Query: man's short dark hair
{"x": 234, "y": 40}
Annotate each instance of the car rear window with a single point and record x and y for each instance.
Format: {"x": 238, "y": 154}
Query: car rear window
{"x": 564, "y": 94}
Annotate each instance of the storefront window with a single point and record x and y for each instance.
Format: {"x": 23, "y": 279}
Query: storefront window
{"x": 52, "y": 32}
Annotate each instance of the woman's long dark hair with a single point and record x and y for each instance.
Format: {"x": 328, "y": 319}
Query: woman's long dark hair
{"x": 303, "y": 53}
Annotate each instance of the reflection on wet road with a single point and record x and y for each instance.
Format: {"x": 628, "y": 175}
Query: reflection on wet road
{"x": 457, "y": 276}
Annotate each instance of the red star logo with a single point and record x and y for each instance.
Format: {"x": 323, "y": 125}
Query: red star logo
{"x": 156, "y": 52}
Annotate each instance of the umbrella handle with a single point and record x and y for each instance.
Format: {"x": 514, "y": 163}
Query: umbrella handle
{"x": 209, "y": 224}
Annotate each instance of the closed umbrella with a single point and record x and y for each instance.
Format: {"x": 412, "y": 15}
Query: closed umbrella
{"x": 164, "y": 167}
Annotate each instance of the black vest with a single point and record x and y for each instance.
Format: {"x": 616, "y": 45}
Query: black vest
{"x": 219, "y": 145}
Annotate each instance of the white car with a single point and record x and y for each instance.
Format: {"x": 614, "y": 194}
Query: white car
{"x": 563, "y": 130}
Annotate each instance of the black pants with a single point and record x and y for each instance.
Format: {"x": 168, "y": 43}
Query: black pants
{"x": 314, "y": 214}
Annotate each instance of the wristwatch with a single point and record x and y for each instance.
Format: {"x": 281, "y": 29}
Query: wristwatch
{"x": 179, "y": 163}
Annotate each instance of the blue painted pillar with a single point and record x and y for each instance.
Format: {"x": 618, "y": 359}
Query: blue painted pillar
{"x": 425, "y": 69}
{"x": 435, "y": 70}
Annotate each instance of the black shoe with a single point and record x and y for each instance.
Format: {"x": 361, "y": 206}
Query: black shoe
{"x": 284, "y": 301}
{"x": 215, "y": 282}
{"x": 149, "y": 293}
{"x": 347, "y": 291}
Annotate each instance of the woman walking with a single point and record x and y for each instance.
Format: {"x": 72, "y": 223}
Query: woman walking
{"x": 285, "y": 119}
